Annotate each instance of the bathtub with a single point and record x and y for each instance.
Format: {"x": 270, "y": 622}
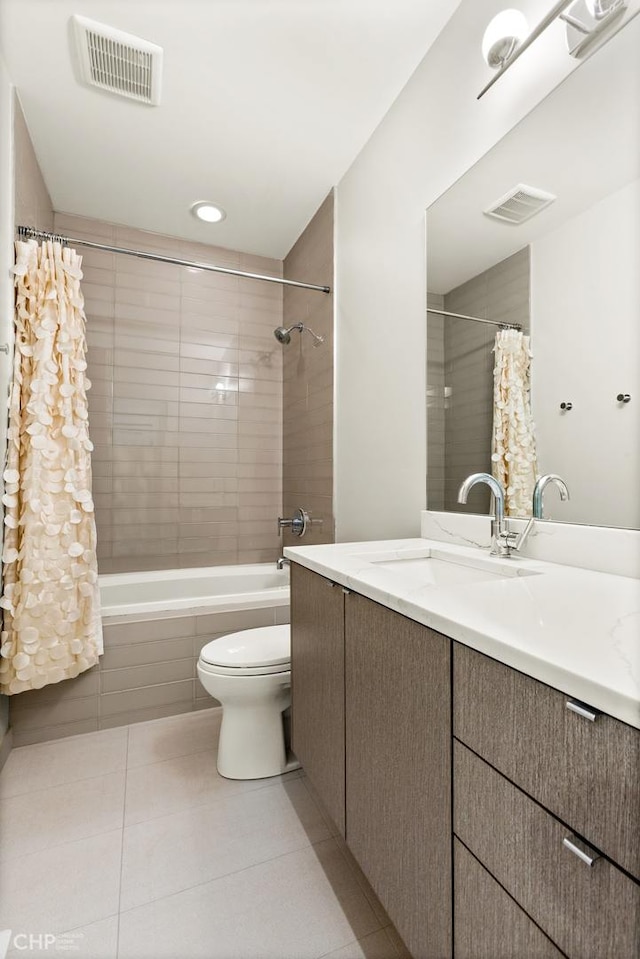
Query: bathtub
{"x": 154, "y": 626}
{"x": 176, "y": 592}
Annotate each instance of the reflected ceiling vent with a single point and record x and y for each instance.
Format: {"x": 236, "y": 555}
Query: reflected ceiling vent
{"x": 117, "y": 61}
{"x": 520, "y": 204}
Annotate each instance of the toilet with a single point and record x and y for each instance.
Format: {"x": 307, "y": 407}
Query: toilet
{"x": 249, "y": 672}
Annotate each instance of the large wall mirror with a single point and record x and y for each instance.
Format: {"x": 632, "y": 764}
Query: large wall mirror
{"x": 569, "y": 276}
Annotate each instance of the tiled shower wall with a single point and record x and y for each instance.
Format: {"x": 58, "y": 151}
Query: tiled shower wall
{"x": 500, "y": 293}
{"x": 436, "y": 402}
{"x": 186, "y": 402}
{"x": 308, "y": 382}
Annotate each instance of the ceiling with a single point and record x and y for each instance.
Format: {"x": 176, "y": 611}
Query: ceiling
{"x": 265, "y": 105}
{"x": 580, "y": 144}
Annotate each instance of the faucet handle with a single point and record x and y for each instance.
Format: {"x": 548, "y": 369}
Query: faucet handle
{"x": 515, "y": 541}
{"x": 298, "y": 522}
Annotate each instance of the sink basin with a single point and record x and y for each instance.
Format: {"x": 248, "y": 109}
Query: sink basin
{"x": 435, "y": 567}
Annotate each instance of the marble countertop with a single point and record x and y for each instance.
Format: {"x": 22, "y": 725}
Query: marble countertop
{"x": 575, "y": 629}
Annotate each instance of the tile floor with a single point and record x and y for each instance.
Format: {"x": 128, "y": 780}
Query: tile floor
{"x": 127, "y": 843}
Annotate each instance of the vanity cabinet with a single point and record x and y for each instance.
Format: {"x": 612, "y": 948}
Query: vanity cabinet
{"x": 317, "y": 686}
{"x": 471, "y": 796}
{"x": 398, "y": 769}
{"x": 371, "y": 725}
{"x": 534, "y": 783}
{"x": 586, "y": 772}
{"x": 489, "y": 924}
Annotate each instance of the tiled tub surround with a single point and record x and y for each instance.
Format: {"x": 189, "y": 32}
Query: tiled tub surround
{"x": 130, "y": 842}
{"x": 308, "y": 382}
{"x": 186, "y": 403}
{"x": 148, "y": 669}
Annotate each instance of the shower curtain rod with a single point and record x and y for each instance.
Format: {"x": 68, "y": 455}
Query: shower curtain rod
{"x": 476, "y": 319}
{"x": 27, "y": 231}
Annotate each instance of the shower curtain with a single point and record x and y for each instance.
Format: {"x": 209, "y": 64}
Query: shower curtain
{"x": 513, "y": 450}
{"x": 51, "y": 608}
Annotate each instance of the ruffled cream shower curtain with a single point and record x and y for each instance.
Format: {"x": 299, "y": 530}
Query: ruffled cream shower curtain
{"x": 51, "y": 607}
{"x": 513, "y": 450}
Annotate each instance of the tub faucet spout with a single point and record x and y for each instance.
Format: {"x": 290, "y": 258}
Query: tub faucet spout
{"x": 282, "y": 562}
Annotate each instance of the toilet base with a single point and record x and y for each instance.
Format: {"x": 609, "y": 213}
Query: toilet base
{"x": 251, "y": 744}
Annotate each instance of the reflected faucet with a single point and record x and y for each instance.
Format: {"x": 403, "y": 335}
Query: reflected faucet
{"x": 502, "y": 540}
{"x": 540, "y": 487}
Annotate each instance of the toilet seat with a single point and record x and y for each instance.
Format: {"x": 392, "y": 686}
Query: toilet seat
{"x": 250, "y": 652}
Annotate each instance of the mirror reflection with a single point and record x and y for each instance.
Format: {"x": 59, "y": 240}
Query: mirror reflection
{"x": 542, "y": 236}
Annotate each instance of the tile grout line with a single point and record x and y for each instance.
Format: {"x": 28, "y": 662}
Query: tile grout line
{"x": 234, "y": 872}
{"x": 124, "y": 809}
{"x": 69, "y": 782}
{"x": 210, "y": 801}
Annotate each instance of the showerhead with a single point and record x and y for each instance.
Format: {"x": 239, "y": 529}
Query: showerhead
{"x": 283, "y": 335}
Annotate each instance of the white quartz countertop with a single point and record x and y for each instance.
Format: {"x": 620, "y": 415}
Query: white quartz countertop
{"x": 574, "y": 629}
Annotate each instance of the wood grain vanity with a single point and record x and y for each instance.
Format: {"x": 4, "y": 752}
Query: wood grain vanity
{"x": 473, "y": 798}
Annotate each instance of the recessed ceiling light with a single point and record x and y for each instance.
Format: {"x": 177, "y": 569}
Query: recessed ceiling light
{"x": 209, "y": 212}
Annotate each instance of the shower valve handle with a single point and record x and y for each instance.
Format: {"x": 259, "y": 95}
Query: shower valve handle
{"x": 298, "y": 522}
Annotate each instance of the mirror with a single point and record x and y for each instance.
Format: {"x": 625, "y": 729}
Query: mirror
{"x": 568, "y": 275}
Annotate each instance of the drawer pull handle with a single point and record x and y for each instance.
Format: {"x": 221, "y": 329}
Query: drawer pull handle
{"x": 347, "y": 592}
{"x": 589, "y": 857}
{"x": 582, "y": 710}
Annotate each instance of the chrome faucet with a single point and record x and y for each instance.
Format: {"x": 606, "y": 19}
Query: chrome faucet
{"x": 282, "y": 562}
{"x": 540, "y": 487}
{"x": 503, "y": 542}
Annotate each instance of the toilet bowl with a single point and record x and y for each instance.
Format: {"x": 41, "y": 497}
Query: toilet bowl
{"x": 250, "y": 674}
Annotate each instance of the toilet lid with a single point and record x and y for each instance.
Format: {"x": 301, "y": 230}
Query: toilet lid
{"x": 265, "y": 646}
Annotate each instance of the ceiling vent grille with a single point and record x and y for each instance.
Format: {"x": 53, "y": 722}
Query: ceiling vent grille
{"x": 117, "y": 61}
{"x": 520, "y": 204}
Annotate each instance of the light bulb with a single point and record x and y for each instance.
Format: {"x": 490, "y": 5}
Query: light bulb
{"x": 503, "y": 36}
{"x": 600, "y": 8}
{"x": 209, "y": 212}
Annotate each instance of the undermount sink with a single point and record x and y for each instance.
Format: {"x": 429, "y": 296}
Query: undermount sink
{"x": 435, "y": 567}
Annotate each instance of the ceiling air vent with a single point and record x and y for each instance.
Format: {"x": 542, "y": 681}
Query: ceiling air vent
{"x": 117, "y": 61}
{"x": 520, "y": 204}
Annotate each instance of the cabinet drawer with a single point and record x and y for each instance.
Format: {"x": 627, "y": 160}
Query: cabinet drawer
{"x": 586, "y": 773}
{"x": 590, "y": 912}
{"x": 488, "y": 923}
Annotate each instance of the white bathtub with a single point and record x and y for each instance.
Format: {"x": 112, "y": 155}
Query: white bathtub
{"x": 179, "y": 592}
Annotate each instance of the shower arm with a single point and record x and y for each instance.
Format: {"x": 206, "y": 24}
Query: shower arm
{"x": 306, "y": 329}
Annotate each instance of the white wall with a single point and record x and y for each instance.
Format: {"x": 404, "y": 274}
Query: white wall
{"x": 585, "y": 307}
{"x": 434, "y": 132}
{"x": 6, "y": 279}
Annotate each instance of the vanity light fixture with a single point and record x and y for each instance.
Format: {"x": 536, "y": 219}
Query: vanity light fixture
{"x": 504, "y": 40}
{"x": 207, "y": 211}
{"x": 526, "y": 42}
{"x": 503, "y": 36}
{"x": 586, "y": 19}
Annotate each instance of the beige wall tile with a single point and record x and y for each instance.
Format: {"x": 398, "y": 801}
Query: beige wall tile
{"x": 144, "y": 715}
{"x": 163, "y": 695}
{"x": 212, "y": 623}
{"x": 153, "y": 674}
{"x": 151, "y": 630}
{"x": 53, "y": 712}
{"x": 85, "y": 685}
{"x": 43, "y": 734}
{"x": 142, "y": 654}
